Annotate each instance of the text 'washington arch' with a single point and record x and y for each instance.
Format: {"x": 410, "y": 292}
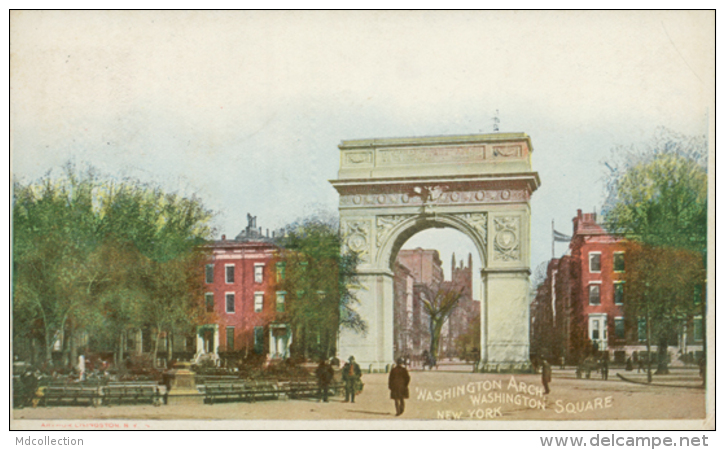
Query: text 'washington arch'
{"x": 390, "y": 189}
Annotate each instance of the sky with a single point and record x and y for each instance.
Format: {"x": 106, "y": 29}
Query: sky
{"x": 246, "y": 109}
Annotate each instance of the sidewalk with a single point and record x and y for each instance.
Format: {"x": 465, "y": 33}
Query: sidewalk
{"x": 437, "y": 395}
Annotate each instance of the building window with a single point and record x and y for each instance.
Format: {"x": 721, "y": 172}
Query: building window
{"x": 697, "y": 329}
{"x": 619, "y": 261}
{"x": 280, "y": 271}
{"x": 619, "y": 327}
{"x": 258, "y": 301}
{"x": 230, "y": 301}
{"x": 209, "y": 297}
{"x": 595, "y": 330}
{"x": 642, "y": 329}
{"x": 230, "y": 339}
{"x": 258, "y": 340}
{"x": 619, "y": 293}
{"x": 229, "y": 273}
{"x": 280, "y": 301}
{"x": 209, "y": 272}
{"x": 258, "y": 273}
{"x": 594, "y": 291}
{"x": 595, "y": 262}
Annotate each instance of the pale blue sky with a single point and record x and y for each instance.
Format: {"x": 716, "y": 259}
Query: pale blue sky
{"x": 246, "y": 109}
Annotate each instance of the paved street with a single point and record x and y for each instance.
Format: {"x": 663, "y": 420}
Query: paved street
{"x": 449, "y": 395}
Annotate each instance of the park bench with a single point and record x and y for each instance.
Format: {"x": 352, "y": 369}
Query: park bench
{"x": 221, "y": 391}
{"x": 129, "y": 392}
{"x": 70, "y": 395}
{"x": 240, "y": 391}
{"x": 205, "y": 379}
{"x": 303, "y": 388}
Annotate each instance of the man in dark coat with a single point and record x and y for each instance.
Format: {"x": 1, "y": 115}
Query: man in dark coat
{"x": 351, "y": 375}
{"x": 545, "y": 375}
{"x": 324, "y": 375}
{"x": 398, "y": 381}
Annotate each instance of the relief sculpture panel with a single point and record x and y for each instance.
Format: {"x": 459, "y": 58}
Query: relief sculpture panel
{"x": 506, "y": 241}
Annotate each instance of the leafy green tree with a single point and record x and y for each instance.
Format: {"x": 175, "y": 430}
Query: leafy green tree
{"x": 318, "y": 278}
{"x": 657, "y": 199}
{"x": 657, "y": 193}
{"x": 661, "y": 285}
{"x": 81, "y": 245}
{"x": 438, "y": 303}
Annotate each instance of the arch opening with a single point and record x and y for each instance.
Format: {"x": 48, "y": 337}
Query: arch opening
{"x": 431, "y": 259}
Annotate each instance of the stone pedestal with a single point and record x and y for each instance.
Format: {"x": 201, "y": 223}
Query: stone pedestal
{"x": 183, "y": 386}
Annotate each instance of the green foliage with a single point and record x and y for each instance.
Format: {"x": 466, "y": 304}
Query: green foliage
{"x": 319, "y": 279}
{"x": 101, "y": 256}
{"x": 657, "y": 199}
{"x": 658, "y": 194}
{"x": 660, "y": 286}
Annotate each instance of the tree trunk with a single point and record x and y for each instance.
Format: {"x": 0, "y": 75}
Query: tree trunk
{"x": 49, "y": 341}
{"x": 435, "y": 334}
{"x": 662, "y": 368}
{"x": 154, "y": 357}
{"x": 169, "y": 346}
{"x": 73, "y": 348}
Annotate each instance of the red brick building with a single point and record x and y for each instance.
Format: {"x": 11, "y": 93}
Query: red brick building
{"x": 240, "y": 279}
{"x": 579, "y": 308}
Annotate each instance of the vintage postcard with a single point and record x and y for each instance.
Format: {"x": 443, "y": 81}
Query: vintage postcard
{"x": 362, "y": 219}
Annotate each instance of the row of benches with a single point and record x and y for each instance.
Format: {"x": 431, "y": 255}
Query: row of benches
{"x": 118, "y": 393}
{"x": 213, "y": 391}
{"x": 252, "y": 391}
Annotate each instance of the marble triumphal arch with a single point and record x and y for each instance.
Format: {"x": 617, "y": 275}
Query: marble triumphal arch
{"x": 481, "y": 185}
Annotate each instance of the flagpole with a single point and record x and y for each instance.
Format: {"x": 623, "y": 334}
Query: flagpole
{"x": 552, "y": 238}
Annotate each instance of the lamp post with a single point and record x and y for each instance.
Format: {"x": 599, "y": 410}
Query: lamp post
{"x": 649, "y": 333}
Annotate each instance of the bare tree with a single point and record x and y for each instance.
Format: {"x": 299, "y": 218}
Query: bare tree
{"x": 439, "y": 304}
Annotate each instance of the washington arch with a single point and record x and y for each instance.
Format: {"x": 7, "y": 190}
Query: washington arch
{"x": 481, "y": 185}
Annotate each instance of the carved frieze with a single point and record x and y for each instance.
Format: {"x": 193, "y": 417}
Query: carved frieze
{"x": 432, "y": 155}
{"x": 434, "y": 195}
{"x": 507, "y": 151}
{"x": 356, "y": 233}
{"x": 358, "y": 158}
{"x": 506, "y": 242}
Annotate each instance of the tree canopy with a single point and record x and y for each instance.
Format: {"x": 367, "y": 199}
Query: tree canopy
{"x": 103, "y": 256}
{"x": 318, "y": 278}
{"x": 657, "y": 193}
{"x": 657, "y": 200}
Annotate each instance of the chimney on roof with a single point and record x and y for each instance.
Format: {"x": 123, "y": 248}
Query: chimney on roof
{"x": 224, "y": 237}
{"x": 267, "y": 232}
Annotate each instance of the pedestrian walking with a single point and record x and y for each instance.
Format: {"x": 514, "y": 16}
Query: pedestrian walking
{"x": 324, "y": 375}
{"x": 398, "y": 381}
{"x": 605, "y": 366}
{"x": 545, "y": 375}
{"x": 351, "y": 375}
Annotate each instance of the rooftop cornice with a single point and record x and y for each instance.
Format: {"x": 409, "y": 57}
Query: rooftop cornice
{"x": 531, "y": 178}
{"x": 435, "y": 140}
